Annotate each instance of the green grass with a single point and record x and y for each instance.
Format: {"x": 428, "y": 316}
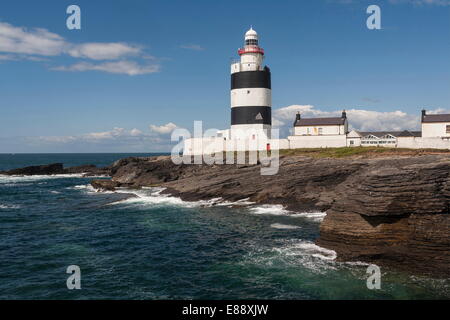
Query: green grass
{"x": 348, "y": 152}
{"x": 345, "y": 152}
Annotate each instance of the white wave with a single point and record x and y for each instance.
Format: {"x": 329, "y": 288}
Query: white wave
{"x": 294, "y": 253}
{"x": 153, "y": 197}
{"x": 312, "y": 249}
{"x": 315, "y": 216}
{"x": 279, "y": 210}
{"x": 8, "y": 206}
{"x": 306, "y": 254}
{"x": 88, "y": 188}
{"x": 5, "y": 179}
{"x": 283, "y": 226}
{"x": 270, "y": 209}
{"x": 238, "y": 203}
{"x": 357, "y": 263}
{"x": 83, "y": 187}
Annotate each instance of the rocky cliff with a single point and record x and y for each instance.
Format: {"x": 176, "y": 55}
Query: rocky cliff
{"x": 391, "y": 211}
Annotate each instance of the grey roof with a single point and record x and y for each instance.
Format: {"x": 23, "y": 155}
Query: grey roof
{"x": 407, "y": 133}
{"x": 436, "y": 118}
{"x": 380, "y": 134}
{"x": 319, "y": 121}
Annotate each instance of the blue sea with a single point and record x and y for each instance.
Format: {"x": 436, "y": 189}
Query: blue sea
{"x": 139, "y": 244}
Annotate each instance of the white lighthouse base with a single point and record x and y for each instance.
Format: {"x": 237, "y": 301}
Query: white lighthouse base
{"x": 240, "y": 138}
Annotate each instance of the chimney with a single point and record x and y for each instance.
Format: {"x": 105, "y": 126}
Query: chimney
{"x": 297, "y": 118}
{"x": 424, "y": 113}
{"x": 344, "y": 114}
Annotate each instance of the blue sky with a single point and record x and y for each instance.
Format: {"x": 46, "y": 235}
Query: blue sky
{"x": 138, "y": 69}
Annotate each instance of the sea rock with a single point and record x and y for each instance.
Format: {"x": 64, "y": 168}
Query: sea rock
{"x": 394, "y": 213}
{"x": 105, "y": 185}
{"x": 88, "y": 170}
{"x": 57, "y": 168}
{"x": 391, "y": 211}
{"x": 54, "y": 168}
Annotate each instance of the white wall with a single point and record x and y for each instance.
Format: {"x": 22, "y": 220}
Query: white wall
{"x": 423, "y": 143}
{"x": 279, "y": 144}
{"x": 251, "y": 97}
{"x": 335, "y": 141}
{"x": 314, "y": 130}
{"x": 356, "y": 142}
{"x": 438, "y": 129}
{"x": 197, "y": 146}
{"x": 235, "y": 67}
{"x": 251, "y": 61}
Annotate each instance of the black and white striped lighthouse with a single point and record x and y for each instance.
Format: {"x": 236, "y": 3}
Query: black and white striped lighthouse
{"x": 251, "y": 96}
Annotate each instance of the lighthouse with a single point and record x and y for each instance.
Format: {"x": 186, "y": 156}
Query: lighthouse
{"x": 251, "y": 107}
{"x": 251, "y": 96}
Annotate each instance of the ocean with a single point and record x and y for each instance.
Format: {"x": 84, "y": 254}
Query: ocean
{"x": 152, "y": 246}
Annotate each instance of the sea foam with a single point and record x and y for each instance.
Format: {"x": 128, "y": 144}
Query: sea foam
{"x": 6, "y": 179}
{"x": 9, "y": 206}
{"x": 283, "y": 226}
{"x": 279, "y": 210}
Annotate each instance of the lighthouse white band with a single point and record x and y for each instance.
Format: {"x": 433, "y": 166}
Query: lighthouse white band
{"x": 251, "y": 97}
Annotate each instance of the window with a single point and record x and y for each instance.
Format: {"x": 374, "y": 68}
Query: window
{"x": 251, "y": 42}
{"x": 320, "y": 130}
{"x": 352, "y": 142}
{"x": 448, "y": 128}
{"x": 248, "y": 91}
{"x": 307, "y": 131}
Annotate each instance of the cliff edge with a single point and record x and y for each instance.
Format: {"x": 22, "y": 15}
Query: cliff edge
{"x": 391, "y": 210}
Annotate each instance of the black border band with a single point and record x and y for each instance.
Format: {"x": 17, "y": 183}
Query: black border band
{"x": 249, "y": 115}
{"x": 251, "y": 79}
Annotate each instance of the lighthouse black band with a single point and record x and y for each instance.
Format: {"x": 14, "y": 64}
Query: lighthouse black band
{"x": 251, "y": 115}
{"x": 251, "y": 79}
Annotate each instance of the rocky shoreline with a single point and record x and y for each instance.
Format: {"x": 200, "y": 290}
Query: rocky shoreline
{"x": 58, "y": 168}
{"x": 392, "y": 211}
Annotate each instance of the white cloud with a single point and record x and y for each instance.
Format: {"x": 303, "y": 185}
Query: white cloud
{"x": 116, "y": 140}
{"x": 36, "y": 41}
{"x": 103, "y": 51}
{"x": 33, "y": 44}
{"x": 136, "y": 132}
{"x": 163, "y": 129}
{"x": 359, "y": 119}
{"x": 130, "y": 68}
{"x": 195, "y": 47}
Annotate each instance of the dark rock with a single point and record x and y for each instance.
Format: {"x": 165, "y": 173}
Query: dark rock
{"x": 54, "y": 168}
{"x": 105, "y": 185}
{"x": 391, "y": 211}
{"x": 88, "y": 170}
{"x": 57, "y": 168}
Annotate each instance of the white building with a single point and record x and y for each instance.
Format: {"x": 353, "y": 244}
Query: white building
{"x": 378, "y": 138}
{"x": 319, "y": 132}
{"x": 332, "y": 132}
{"x": 435, "y": 125}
